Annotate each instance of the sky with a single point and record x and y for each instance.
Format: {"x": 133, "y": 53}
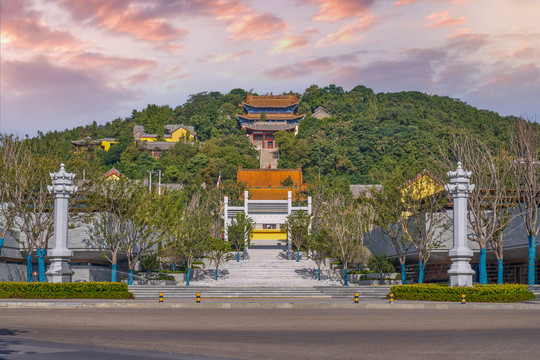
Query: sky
{"x": 66, "y": 63}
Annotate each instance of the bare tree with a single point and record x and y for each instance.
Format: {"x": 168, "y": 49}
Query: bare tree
{"x": 525, "y": 145}
{"x": 26, "y": 202}
{"x": 389, "y": 211}
{"x": 346, "y": 222}
{"x": 487, "y": 204}
{"x": 109, "y": 204}
{"x": 424, "y": 221}
{"x": 297, "y": 228}
{"x": 191, "y": 232}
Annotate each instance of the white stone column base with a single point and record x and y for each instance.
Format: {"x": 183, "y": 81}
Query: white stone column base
{"x": 461, "y": 273}
{"x": 59, "y": 271}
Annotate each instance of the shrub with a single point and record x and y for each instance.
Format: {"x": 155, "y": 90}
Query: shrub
{"x": 149, "y": 262}
{"x": 78, "y": 290}
{"x": 478, "y": 293}
{"x": 381, "y": 264}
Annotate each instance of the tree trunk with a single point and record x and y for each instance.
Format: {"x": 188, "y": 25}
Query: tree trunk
{"x": 482, "y": 268}
{"x": 216, "y": 272}
{"x": 188, "y": 275}
{"x": 499, "y": 271}
{"x": 29, "y": 267}
{"x": 1, "y": 244}
{"x": 422, "y": 265}
{"x": 41, "y": 253}
{"x": 532, "y": 260}
{"x": 113, "y": 273}
{"x": 345, "y": 282}
{"x": 130, "y": 277}
{"x": 297, "y": 255}
{"x": 319, "y": 268}
{"x": 403, "y": 275}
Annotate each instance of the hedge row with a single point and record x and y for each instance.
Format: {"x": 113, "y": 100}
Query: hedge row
{"x": 78, "y": 290}
{"x": 477, "y": 293}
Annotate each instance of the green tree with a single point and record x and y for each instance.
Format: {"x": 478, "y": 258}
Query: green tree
{"x": 191, "y": 231}
{"x": 297, "y": 228}
{"x": 240, "y": 231}
{"x": 345, "y": 223}
{"x": 219, "y": 252}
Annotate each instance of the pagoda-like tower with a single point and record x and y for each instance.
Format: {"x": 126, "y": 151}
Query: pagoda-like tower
{"x": 265, "y": 115}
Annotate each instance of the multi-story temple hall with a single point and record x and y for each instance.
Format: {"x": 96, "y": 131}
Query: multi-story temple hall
{"x": 265, "y": 115}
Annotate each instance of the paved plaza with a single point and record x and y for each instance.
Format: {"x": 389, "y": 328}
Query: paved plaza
{"x": 457, "y": 333}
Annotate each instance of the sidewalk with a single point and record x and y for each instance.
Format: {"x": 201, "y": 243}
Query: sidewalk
{"x": 262, "y": 303}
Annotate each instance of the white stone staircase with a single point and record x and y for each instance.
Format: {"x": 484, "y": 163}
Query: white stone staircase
{"x": 267, "y": 266}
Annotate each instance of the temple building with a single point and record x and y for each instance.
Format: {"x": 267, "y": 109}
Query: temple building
{"x": 265, "y": 115}
{"x": 173, "y": 133}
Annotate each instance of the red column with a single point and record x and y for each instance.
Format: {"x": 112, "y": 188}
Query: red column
{"x": 264, "y": 140}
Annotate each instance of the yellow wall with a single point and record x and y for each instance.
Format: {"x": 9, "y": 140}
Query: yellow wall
{"x": 148, "y": 139}
{"x": 179, "y": 134}
{"x": 113, "y": 177}
{"x": 106, "y": 145}
{"x": 268, "y": 234}
{"x": 424, "y": 186}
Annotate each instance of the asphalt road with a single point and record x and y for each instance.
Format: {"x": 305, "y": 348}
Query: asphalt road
{"x": 268, "y": 334}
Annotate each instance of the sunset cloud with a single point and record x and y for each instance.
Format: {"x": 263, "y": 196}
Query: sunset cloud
{"x": 221, "y": 58}
{"x": 443, "y": 19}
{"x": 408, "y": 2}
{"x": 22, "y": 28}
{"x": 289, "y": 43}
{"x": 124, "y": 17}
{"x": 80, "y": 95}
{"x": 323, "y": 64}
{"x": 335, "y": 10}
{"x": 255, "y": 27}
{"x": 349, "y": 33}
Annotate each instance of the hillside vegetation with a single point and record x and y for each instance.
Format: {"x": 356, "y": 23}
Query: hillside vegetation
{"x": 366, "y": 131}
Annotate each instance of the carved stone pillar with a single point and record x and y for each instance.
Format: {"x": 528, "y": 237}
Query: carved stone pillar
{"x": 459, "y": 186}
{"x": 62, "y": 188}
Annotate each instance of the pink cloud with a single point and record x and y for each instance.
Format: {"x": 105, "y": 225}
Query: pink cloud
{"x": 443, "y": 19}
{"x": 350, "y": 32}
{"x": 335, "y": 10}
{"x": 125, "y": 17}
{"x": 95, "y": 60}
{"x": 468, "y": 43}
{"x": 56, "y": 94}
{"x": 526, "y": 53}
{"x": 289, "y": 43}
{"x": 221, "y": 58}
{"x": 409, "y": 2}
{"x": 256, "y": 27}
{"x": 23, "y": 29}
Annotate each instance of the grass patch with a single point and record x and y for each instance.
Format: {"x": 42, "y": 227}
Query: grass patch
{"x": 478, "y": 293}
{"x": 78, "y": 290}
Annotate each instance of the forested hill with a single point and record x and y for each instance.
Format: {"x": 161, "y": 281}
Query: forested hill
{"x": 366, "y": 131}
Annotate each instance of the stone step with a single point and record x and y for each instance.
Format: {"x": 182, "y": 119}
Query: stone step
{"x": 143, "y": 291}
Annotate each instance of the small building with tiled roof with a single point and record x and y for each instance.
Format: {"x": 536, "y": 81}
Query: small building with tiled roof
{"x": 320, "y": 113}
{"x": 87, "y": 142}
{"x": 174, "y": 133}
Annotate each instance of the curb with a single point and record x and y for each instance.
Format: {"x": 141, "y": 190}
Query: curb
{"x": 401, "y": 305}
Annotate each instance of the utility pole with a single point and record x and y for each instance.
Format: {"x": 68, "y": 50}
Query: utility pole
{"x": 159, "y": 182}
{"x": 150, "y": 181}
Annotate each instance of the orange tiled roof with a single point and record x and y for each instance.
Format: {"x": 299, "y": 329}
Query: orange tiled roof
{"x": 271, "y": 116}
{"x": 271, "y": 100}
{"x": 264, "y": 178}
